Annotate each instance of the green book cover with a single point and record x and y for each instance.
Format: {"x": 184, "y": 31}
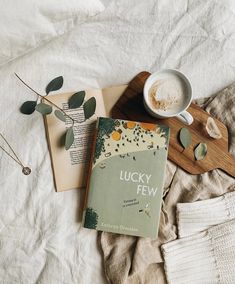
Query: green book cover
{"x": 124, "y": 191}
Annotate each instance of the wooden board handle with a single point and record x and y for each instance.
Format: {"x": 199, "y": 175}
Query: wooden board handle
{"x": 227, "y": 164}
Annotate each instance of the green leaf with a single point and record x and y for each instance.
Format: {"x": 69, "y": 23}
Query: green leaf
{"x": 89, "y": 107}
{"x": 185, "y": 137}
{"x": 55, "y": 84}
{"x": 200, "y": 151}
{"x": 69, "y": 138}
{"x": 43, "y": 108}
{"x": 77, "y": 99}
{"x": 91, "y": 218}
{"x": 28, "y": 107}
{"x": 59, "y": 114}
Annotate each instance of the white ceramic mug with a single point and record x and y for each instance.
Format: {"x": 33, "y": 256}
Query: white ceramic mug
{"x": 181, "y": 113}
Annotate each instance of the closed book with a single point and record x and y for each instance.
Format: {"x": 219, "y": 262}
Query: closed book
{"x": 124, "y": 191}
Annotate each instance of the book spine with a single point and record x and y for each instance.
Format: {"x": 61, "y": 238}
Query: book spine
{"x": 89, "y": 173}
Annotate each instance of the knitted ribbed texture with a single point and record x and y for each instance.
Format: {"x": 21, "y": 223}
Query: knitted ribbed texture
{"x": 201, "y": 215}
{"x": 206, "y": 257}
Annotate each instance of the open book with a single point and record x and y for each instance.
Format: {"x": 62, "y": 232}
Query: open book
{"x": 71, "y": 167}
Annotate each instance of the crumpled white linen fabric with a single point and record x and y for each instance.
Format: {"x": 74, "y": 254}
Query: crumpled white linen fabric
{"x": 30, "y": 23}
{"x": 41, "y": 238}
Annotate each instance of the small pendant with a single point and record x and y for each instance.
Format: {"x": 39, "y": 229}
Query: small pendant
{"x": 26, "y": 171}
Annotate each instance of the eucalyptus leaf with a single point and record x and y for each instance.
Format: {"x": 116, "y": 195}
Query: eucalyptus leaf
{"x": 200, "y": 151}
{"x": 69, "y": 138}
{"x": 59, "y": 114}
{"x": 44, "y": 108}
{"x": 55, "y": 84}
{"x": 185, "y": 137}
{"x": 89, "y": 107}
{"x": 77, "y": 99}
{"x": 28, "y": 107}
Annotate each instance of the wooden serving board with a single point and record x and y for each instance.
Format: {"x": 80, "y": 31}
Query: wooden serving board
{"x": 130, "y": 106}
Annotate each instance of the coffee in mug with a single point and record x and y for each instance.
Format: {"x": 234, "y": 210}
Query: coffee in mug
{"x": 168, "y": 93}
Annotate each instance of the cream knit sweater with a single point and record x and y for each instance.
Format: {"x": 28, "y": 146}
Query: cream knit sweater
{"x": 206, "y": 251}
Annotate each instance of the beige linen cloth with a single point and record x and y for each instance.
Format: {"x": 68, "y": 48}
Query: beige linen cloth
{"x": 135, "y": 260}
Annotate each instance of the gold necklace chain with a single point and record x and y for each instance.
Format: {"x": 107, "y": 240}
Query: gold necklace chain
{"x": 25, "y": 170}
{"x": 16, "y": 159}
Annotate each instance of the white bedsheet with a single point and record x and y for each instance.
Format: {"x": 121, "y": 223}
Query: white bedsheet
{"x": 41, "y": 239}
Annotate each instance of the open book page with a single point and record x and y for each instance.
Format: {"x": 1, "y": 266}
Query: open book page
{"x": 71, "y": 167}
{"x": 111, "y": 96}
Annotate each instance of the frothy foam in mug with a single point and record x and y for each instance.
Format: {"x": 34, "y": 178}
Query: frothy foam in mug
{"x": 168, "y": 94}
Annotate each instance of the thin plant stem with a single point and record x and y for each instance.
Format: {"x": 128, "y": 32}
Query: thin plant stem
{"x": 46, "y": 99}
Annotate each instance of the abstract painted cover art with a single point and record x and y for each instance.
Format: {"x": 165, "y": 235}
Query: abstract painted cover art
{"x": 127, "y": 175}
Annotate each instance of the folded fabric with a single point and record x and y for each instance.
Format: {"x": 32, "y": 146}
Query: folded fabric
{"x": 201, "y": 215}
{"x": 206, "y": 257}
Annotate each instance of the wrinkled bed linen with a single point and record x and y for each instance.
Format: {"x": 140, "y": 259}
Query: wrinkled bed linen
{"x": 41, "y": 239}
{"x": 27, "y": 24}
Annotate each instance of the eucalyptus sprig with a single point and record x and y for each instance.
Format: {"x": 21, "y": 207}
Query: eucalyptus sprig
{"x": 75, "y": 101}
